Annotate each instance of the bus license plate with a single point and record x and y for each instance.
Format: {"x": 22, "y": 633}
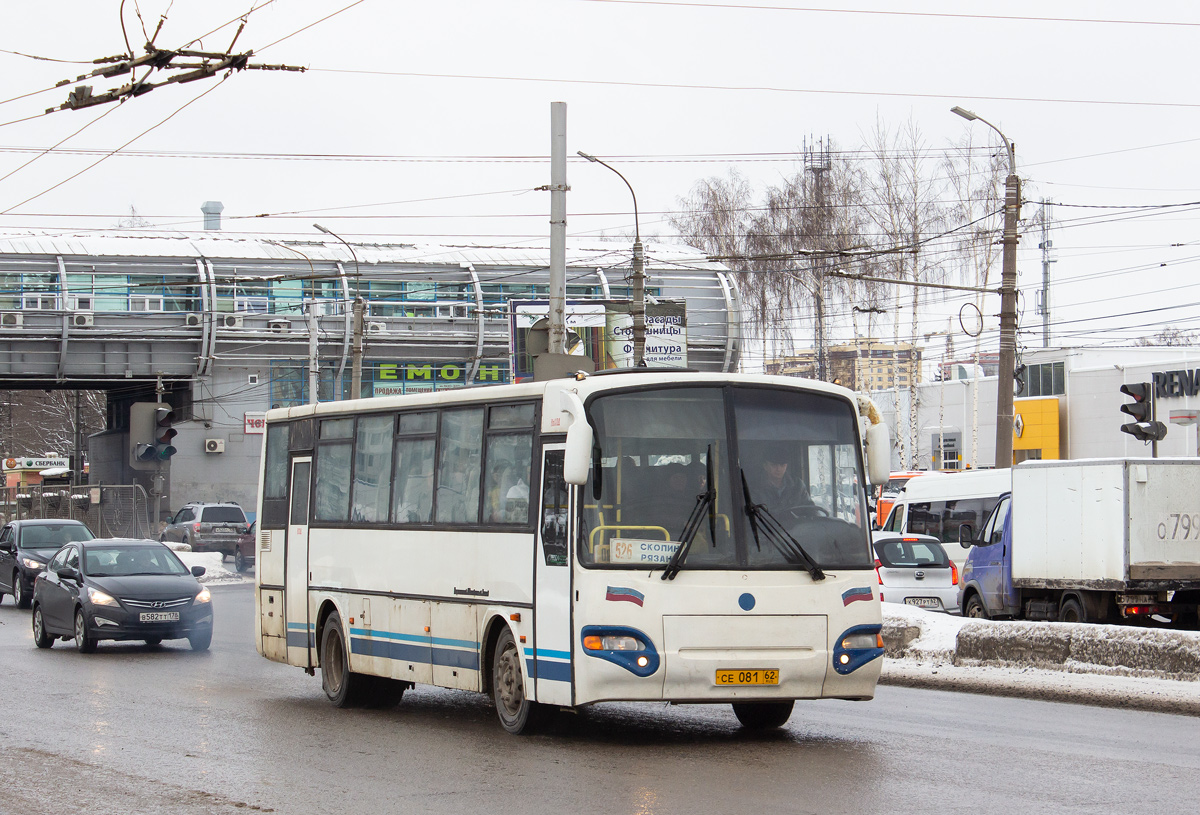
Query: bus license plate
{"x": 757, "y": 676}
{"x": 159, "y": 616}
{"x": 923, "y": 602}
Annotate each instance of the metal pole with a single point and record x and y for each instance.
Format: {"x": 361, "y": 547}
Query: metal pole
{"x": 558, "y": 228}
{"x": 314, "y": 379}
{"x": 359, "y": 308}
{"x": 638, "y": 276}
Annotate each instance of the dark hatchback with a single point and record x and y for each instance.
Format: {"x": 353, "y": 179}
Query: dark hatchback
{"x": 120, "y": 589}
{"x": 26, "y": 545}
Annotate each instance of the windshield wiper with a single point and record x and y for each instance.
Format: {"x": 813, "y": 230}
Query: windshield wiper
{"x": 706, "y": 504}
{"x": 761, "y": 520}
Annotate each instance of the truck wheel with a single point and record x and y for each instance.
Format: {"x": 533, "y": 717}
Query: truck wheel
{"x": 975, "y": 608}
{"x": 1071, "y": 612}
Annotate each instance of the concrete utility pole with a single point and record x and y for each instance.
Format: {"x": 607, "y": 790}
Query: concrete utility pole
{"x": 1008, "y": 300}
{"x": 359, "y": 308}
{"x": 558, "y": 228}
{"x": 817, "y": 162}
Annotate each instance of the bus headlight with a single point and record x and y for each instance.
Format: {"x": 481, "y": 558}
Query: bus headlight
{"x": 621, "y": 645}
{"x": 856, "y": 647}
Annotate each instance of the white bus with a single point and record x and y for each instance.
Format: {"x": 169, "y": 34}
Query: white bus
{"x": 524, "y": 541}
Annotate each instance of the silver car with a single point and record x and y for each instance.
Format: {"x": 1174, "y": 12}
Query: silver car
{"x": 915, "y": 570}
{"x": 207, "y": 527}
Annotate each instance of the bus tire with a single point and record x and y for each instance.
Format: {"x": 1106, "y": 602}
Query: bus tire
{"x": 343, "y": 688}
{"x": 518, "y": 715}
{"x": 763, "y": 715}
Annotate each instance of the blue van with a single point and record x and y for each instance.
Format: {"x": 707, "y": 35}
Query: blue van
{"x": 985, "y": 589}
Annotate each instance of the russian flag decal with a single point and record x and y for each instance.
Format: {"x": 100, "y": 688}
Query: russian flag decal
{"x": 850, "y": 595}
{"x": 628, "y": 595}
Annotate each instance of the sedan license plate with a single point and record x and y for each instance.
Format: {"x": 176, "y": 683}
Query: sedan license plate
{"x": 923, "y": 602}
{"x": 755, "y": 676}
{"x": 159, "y": 616}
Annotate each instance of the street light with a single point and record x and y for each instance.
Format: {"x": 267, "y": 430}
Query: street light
{"x": 1008, "y": 299}
{"x": 638, "y": 276}
{"x": 356, "y": 367}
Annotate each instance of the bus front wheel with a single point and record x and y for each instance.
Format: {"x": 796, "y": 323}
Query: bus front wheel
{"x": 517, "y": 713}
{"x": 344, "y": 689}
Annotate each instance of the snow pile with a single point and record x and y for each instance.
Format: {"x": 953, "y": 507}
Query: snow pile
{"x": 916, "y": 634}
{"x": 215, "y": 572}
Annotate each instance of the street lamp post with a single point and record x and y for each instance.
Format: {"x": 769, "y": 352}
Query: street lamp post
{"x": 356, "y": 366}
{"x": 638, "y": 278}
{"x": 1008, "y": 300}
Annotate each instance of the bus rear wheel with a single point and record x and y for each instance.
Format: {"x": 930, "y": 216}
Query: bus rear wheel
{"x": 763, "y": 715}
{"x": 518, "y": 715}
{"x": 343, "y": 688}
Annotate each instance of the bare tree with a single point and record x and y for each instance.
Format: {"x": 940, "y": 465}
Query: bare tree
{"x": 37, "y": 422}
{"x": 905, "y": 208}
{"x": 1168, "y": 336}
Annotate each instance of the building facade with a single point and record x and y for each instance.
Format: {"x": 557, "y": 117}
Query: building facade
{"x": 1067, "y": 405}
{"x": 864, "y": 365}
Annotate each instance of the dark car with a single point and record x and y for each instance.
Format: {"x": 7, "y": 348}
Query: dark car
{"x": 25, "y": 546}
{"x": 243, "y": 556}
{"x": 120, "y": 589}
{"x": 207, "y": 527}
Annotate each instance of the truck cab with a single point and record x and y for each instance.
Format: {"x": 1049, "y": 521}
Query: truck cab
{"x": 986, "y": 589}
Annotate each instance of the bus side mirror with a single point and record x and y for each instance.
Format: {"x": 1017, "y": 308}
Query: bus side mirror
{"x": 578, "y": 457}
{"x": 879, "y": 453}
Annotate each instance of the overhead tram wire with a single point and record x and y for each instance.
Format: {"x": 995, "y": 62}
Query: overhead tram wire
{"x": 893, "y": 13}
{"x": 762, "y": 88}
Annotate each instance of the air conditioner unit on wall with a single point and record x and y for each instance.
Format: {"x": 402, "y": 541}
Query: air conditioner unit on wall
{"x": 214, "y": 445}
{"x": 11, "y": 320}
{"x": 231, "y": 320}
{"x": 82, "y": 320}
{"x": 192, "y": 320}
{"x": 279, "y": 326}
{"x": 376, "y": 328}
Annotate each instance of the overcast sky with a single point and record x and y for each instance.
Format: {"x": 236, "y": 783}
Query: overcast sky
{"x": 433, "y": 119}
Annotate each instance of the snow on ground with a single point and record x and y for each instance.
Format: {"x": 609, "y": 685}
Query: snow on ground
{"x": 929, "y": 661}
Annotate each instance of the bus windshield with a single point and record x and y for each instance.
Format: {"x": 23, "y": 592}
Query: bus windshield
{"x": 777, "y": 454}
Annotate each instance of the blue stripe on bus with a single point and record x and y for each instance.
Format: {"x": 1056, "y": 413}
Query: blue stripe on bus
{"x": 546, "y": 653}
{"x": 420, "y": 638}
{"x": 552, "y": 671}
{"x": 299, "y": 639}
{"x": 406, "y": 652}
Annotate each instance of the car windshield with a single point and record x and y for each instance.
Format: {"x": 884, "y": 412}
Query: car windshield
{"x": 905, "y": 553}
{"x": 52, "y": 536}
{"x": 656, "y": 449}
{"x": 224, "y": 515}
{"x": 117, "y": 561}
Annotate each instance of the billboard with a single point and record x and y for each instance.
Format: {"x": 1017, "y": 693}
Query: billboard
{"x": 603, "y": 331}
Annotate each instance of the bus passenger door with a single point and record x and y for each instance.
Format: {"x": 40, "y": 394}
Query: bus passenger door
{"x": 300, "y": 637}
{"x": 549, "y": 658}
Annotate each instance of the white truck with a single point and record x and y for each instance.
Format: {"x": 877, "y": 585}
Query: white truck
{"x": 1097, "y": 540}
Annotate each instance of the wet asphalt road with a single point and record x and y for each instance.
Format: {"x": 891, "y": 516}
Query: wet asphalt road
{"x": 132, "y": 729}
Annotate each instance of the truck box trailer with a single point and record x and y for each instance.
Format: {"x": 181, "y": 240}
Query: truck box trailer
{"x": 1093, "y": 540}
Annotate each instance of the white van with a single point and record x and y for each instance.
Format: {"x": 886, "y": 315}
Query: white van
{"x": 938, "y": 504}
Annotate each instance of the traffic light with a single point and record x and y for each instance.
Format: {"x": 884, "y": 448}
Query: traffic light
{"x": 1144, "y": 427}
{"x": 150, "y": 434}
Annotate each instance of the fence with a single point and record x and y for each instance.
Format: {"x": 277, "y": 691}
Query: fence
{"x": 119, "y": 511}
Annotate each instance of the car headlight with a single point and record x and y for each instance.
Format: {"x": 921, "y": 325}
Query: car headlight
{"x": 30, "y": 563}
{"x": 100, "y": 598}
{"x": 203, "y": 597}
